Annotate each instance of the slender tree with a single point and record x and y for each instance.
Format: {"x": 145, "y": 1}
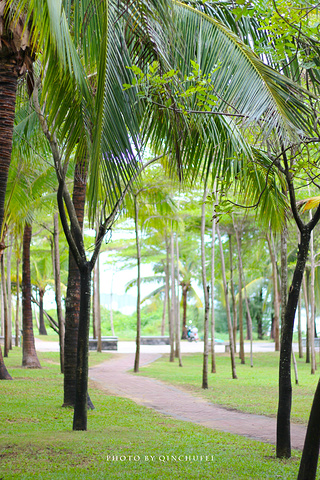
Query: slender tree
{"x": 29, "y": 358}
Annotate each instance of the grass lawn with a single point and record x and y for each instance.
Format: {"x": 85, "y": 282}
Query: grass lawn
{"x": 123, "y": 440}
{"x": 255, "y": 390}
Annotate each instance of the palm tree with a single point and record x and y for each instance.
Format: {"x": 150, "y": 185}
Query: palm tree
{"x": 243, "y": 83}
{"x": 16, "y": 58}
{"x": 29, "y": 355}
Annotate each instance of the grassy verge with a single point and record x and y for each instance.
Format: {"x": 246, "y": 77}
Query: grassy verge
{"x": 255, "y": 390}
{"x": 123, "y": 440}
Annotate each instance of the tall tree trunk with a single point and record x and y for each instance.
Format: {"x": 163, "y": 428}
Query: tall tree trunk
{"x": 173, "y": 291}
{"x": 233, "y": 297}
{"x": 276, "y": 305}
{"x": 184, "y": 335}
{"x": 170, "y": 300}
{"x": 42, "y": 327}
{"x": 240, "y": 269}
{"x": 4, "y": 374}
{"x": 225, "y": 288}
{"x": 73, "y": 294}
{"x": 8, "y": 89}
{"x": 81, "y": 398}
{"x": 163, "y": 320}
{"x": 205, "y": 294}
{"x": 284, "y": 272}
{"x": 310, "y": 453}
{"x": 57, "y": 283}
{"x": 138, "y": 338}
{"x": 213, "y": 237}
{"x": 312, "y": 305}
{"x": 5, "y": 309}
{"x": 17, "y": 326}
{"x": 285, "y": 387}
{"x": 299, "y": 328}
{"x": 97, "y": 305}
{"x": 29, "y": 358}
{"x": 9, "y": 294}
{"x": 178, "y": 349}
{"x": 306, "y": 305}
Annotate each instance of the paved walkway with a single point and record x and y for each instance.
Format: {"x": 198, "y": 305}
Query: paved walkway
{"x": 113, "y": 377}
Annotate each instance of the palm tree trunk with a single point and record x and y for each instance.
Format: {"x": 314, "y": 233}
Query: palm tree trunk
{"x": 173, "y": 294}
{"x": 17, "y": 326}
{"x": 205, "y": 383}
{"x": 4, "y": 374}
{"x": 233, "y": 297}
{"x": 73, "y": 294}
{"x": 299, "y": 328}
{"x": 42, "y": 327}
{"x": 81, "y": 399}
{"x": 240, "y": 268}
{"x": 138, "y": 338}
{"x": 312, "y": 305}
{"x": 306, "y": 305}
{"x": 29, "y": 358}
{"x": 9, "y": 295}
{"x": 170, "y": 300}
{"x": 275, "y": 291}
{"x": 213, "y": 237}
{"x": 57, "y": 283}
{"x": 310, "y": 453}
{"x": 97, "y": 305}
{"x": 184, "y": 309}
{"x": 223, "y": 271}
{"x": 163, "y": 320}
{"x": 178, "y": 349}
{"x": 8, "y": 89}
{"x": 5, "y": 309}
{"x": 285, "y": 387}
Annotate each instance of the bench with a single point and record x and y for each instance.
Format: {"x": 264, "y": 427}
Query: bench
{"x": 316, "y": 342}
{"x": 13, "y": 340}
{"x": 226, "y": 345}
{"x": 155, "y": 340}
{"x": 107, "y": 343}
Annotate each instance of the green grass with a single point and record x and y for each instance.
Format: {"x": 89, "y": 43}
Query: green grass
{"x": 123, "y": 441}
{"x": 255, "y": 390}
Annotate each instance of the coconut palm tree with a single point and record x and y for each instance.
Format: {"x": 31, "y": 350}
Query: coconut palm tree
{"x": 137, "y": 33}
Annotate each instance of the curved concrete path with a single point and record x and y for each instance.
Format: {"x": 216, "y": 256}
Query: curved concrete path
{"x": 113, "y": 377}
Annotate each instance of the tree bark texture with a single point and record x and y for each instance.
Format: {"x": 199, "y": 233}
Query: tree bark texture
{"x": 57, "y": 283}
{"x": 17, "y": 326}
{"x": 29, "y": 354}
{"x": 170, "y": 300}
{"x": 42, "y": 327}
{"x": 225, "y": 288}
{"x": 8, "y": 89}
{"x": 285, "y": 387}
{"x": 310, "y": 453}
{"x": 233, "y": 297}
{"x": 138, "y": 337}
{"x": 213, "y": 237}
{"x": 5, "y": 309}
{"x": 81, "y": 399}
{"x": 306, "y": 305}
{"x": 205, "y": 383}
{"x": 178, "y": 347}
{"x": 276, "y": 305}
{"x": 240, "y": 268}
{"x": 312, "y": 305}
{"x": 73, "y": 295}
{"x": 9, "y": 295}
